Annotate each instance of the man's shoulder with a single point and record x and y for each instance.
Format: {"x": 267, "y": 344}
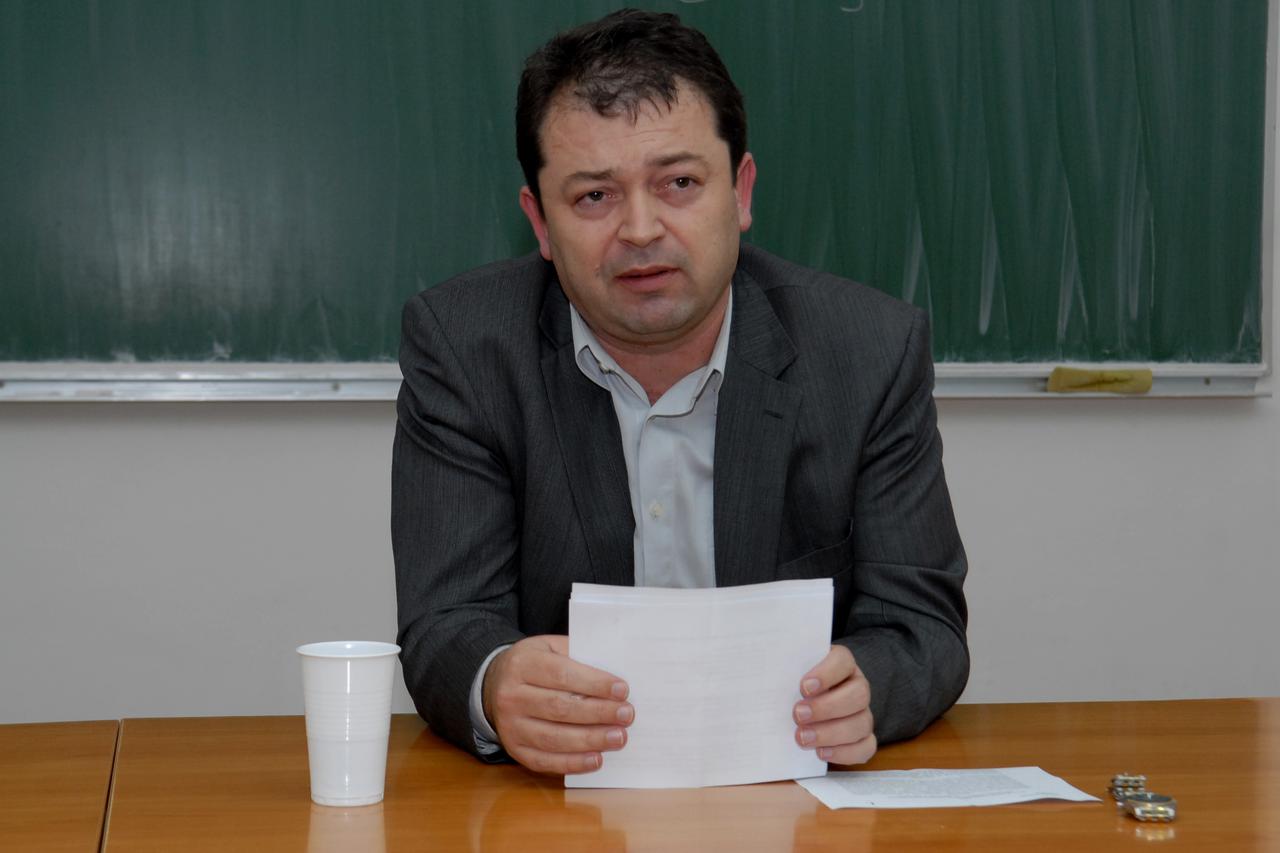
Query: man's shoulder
{"x": 507, "y": 283}
{"x": 491, "y": 314}
{"x": 805, "y": 298}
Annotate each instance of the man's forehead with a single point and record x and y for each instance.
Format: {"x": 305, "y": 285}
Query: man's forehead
{"x": 573, "y": 124}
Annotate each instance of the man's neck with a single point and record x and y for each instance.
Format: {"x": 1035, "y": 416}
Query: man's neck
{"x": 658, "y": 367}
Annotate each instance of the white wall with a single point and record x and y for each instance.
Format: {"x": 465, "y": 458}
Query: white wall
{"x": 1119, "y": 548}
{"x": 165, "y": 559}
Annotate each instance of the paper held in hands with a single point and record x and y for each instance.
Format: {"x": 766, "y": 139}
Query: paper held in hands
{"x": 714, "y": 676}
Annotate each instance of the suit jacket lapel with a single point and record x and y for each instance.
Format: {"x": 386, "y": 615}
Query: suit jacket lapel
{"x": 755, "y": 422}
{"x": 591, "y": 447}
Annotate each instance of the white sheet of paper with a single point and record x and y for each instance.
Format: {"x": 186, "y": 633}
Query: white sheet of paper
{"x": 714, "y": 675}
{"x": 917, "y": 789}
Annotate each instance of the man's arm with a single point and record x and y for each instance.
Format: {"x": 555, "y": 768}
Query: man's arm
{"x": 453, "y": 529}
{"x": 455, "y": 537}
{"x": 908, "y": 615}
{"x": 907, "y": 659}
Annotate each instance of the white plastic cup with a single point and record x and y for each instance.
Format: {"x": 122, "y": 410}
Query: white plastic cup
{"x": 346, "y": 689}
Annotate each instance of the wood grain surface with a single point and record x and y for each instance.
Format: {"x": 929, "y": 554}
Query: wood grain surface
{"x": 242, "y": 784}
{"x": 54, "y": 779}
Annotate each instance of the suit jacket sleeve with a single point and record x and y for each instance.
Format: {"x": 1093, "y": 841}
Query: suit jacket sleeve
{"x": 907, "y": 620}
{"x": 453, "y": 528}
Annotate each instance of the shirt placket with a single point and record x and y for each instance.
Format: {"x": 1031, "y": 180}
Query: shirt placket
{"x": 657, "y": 459}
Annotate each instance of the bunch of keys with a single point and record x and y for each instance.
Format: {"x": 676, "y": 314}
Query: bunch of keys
{"x": 1130, "y": 793}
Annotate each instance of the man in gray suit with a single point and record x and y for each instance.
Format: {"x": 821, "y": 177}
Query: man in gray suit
{"x": 646, "y": 401}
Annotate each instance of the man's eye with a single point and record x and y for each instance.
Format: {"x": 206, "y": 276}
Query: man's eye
{"x": 682, "y": 183}
{"x": 593, "y": 197}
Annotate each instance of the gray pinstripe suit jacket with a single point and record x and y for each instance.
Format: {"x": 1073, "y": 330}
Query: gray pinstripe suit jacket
{"x": 508, "y": 480}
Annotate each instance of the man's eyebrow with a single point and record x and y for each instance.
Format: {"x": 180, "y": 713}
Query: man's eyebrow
{"x": 678, "y": 157}
{"x": 589, "y": 177}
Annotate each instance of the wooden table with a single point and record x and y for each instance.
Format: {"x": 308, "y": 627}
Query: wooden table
{"x": 241, "y": 783}
{"x": 54, "y": 780}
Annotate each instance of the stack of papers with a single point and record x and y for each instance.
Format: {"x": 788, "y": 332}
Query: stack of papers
{"x": 714, "y": 676}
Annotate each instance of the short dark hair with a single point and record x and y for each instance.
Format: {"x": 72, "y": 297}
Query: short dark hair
{"x": 617, "y": 64}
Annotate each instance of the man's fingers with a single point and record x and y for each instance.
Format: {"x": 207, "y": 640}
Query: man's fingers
{"x": 834, "y": 733}
{"x": 543, "y": 736}
{"x": 850, "y": 753}
{"x": 559, "y": 763}
{"x": 556, "y": 705}
{"x": 835, "y": 717}
{"x": 847, "y": 698}
{"x": 521, "y": 674}
{"x": 551, "y": 667}
{"x": 835, "y": 667}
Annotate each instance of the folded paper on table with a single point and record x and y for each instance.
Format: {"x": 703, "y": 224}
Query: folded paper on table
{"x": 917, "y": 789}
{"x": 714, "y": 675}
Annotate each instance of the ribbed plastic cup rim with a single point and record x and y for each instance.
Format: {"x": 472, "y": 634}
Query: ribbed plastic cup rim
{"x": 348, "y": 649}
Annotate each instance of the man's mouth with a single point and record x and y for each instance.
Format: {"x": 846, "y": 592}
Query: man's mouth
{"x": 646, "y": 275}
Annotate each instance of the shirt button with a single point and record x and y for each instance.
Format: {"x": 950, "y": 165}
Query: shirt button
{"x": 655, "y": 510}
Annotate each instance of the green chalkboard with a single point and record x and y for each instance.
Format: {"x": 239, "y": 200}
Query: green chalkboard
{"x": 261, "y": 180}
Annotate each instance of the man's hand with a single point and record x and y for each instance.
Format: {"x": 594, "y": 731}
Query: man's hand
{"x": 552, "y": 714}
{"x": 835, "y": 715}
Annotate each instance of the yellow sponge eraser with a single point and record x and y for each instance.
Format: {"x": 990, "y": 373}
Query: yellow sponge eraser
{"x": 1067, "y": 380}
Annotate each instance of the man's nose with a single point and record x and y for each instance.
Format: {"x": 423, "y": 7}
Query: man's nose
{"x": 641, "y": 222}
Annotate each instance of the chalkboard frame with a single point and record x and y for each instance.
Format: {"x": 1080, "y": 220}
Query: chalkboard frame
{"x": 47, "y": 382}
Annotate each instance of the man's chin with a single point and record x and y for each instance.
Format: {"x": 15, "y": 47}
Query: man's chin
{"x": 653, "y": 330}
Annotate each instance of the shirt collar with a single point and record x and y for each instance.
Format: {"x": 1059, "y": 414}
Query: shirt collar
{"x": 595, "y": 362}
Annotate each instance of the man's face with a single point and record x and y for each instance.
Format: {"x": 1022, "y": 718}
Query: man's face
{"x": 641, "y": 219}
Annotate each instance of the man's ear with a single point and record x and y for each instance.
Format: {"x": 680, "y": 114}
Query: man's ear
{"x": 533, "y": 212}
{"x": 742, "y": 188}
